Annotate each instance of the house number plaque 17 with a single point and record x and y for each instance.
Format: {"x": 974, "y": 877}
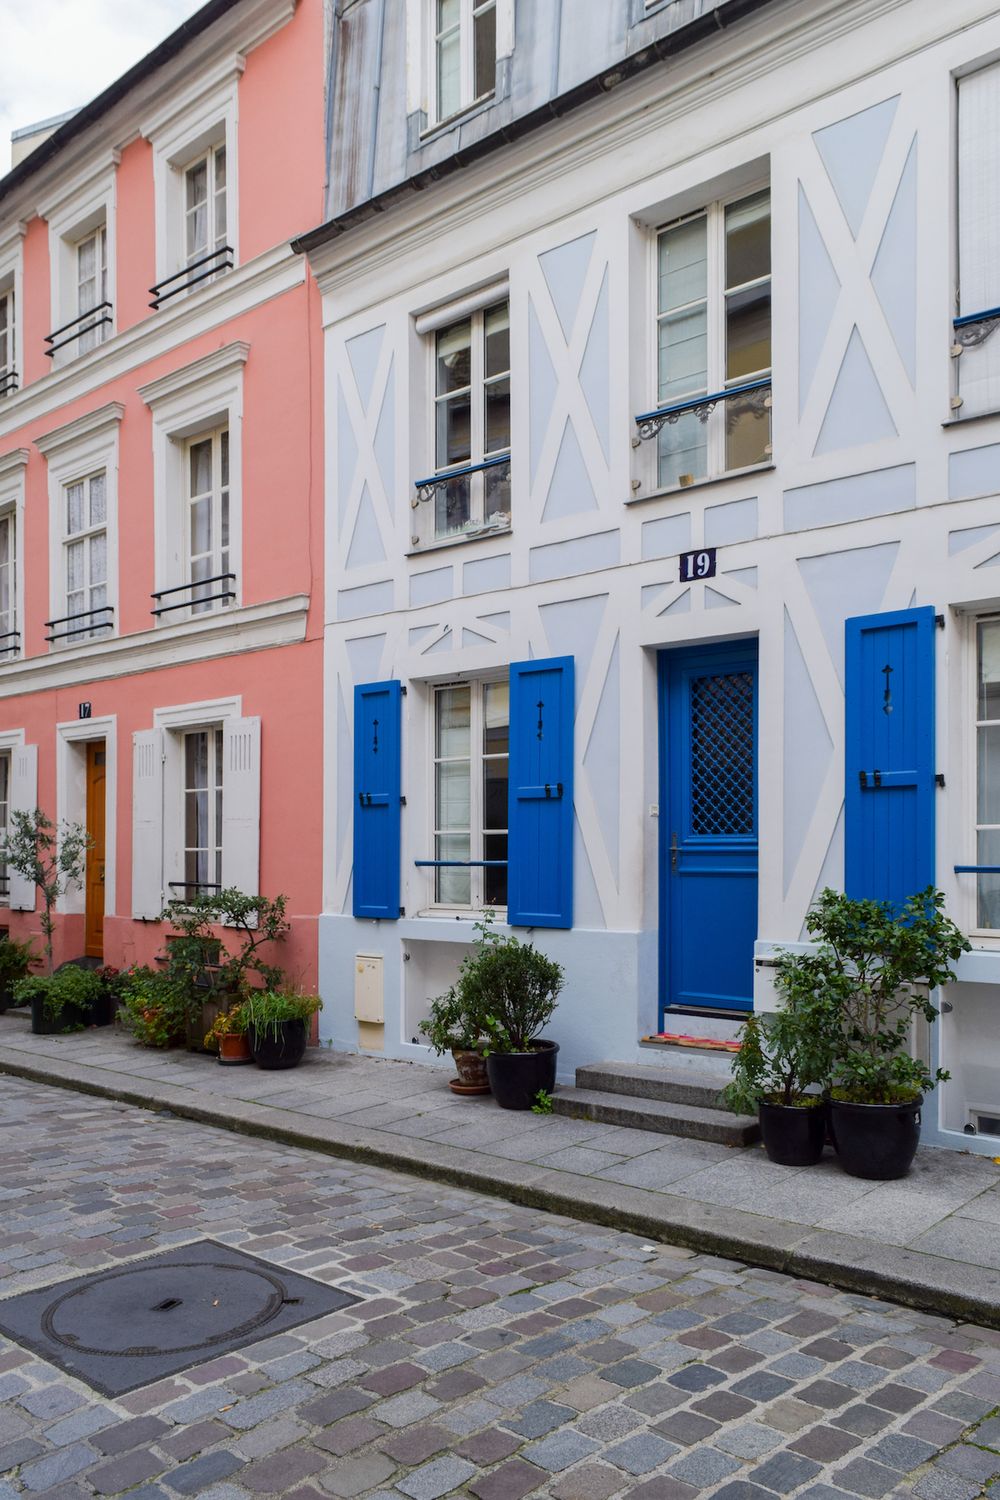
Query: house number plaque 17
{"x": 697, "y": 565}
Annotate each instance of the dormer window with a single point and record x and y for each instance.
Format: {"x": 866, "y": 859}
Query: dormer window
{"x": 465, "y": 54}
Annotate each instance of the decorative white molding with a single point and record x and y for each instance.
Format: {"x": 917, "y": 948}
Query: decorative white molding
{"x": 193, "y": 715}
{"x": 220, "y": 362}
{"x": 81, "y": 427}
{"x": 12, "y": 462}
{"x": 71, "y": 797}
{"x": 91, "y": 182}
{"x": 254, "y": 627}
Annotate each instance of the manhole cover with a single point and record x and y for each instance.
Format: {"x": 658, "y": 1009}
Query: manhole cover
{"x": 127, "y": 1326}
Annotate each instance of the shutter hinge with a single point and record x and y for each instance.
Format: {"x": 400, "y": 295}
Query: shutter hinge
{"x": 878, "y": 777}
{"x": 939, "y": 621}
{"x": 402, "y": 690}
{"x": 862, "y": 779}
{"x": 402, "y": 801}
{"x": 402, "y": 913}
{"x": 939, "y": 778}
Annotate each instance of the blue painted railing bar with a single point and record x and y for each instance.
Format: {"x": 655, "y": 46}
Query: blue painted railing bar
{"x": 650, "y": 422}
{"x": 433, "y": 481}
{"x": 461, "y": 864}
{"x": 977, "y": 869}
{"x": 979, "y": 317}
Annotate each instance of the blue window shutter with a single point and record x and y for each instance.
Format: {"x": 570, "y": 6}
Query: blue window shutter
{"x": 377, "y": 799}
{"x": 540, "y": 843}
{"x": 890, "y": 759}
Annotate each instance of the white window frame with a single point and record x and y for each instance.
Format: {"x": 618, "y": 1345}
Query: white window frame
{"x": 11, "y": 285}
{"x": 215, "y": 761}
{"x": 190, "y": 403}
{"x": 477, "y": 902}
{"x": 11, "y": 740}
{"x": 217, "y": 495}
{"x": 196, "y": 256}
{"x": 990, "y": 935}
{"x": 73, "y": 452}
{"x": 714, "y": 214}
{"x": 91, "y": 626}
{"x": 72, "y": 218}
{"x": 93, "y": 333}
{"x": 202, "y": 117}
{"x": 469, "y": 11}
{"x": 12, "y": 471}
{"x": 421, "y": 61}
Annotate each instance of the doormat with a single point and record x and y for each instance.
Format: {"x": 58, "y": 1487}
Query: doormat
{"x": 703, "y": 1043}
{"x": 130, "y": 1325}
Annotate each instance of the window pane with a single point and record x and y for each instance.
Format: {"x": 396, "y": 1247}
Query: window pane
{"x": 682, "y": 450}
{"x": 201, "y": 528}
{"x": 496, "y": 325}
{"x": 454, "y": 357}
{"x": 449, "y": 96}
{"x": 220, "y": 218}
{"x": 220, "y": 168}
{"x": 74, "y": 567}
{"x": 196, "y": 760}
{"x": 99, "y": 558}
{"x": 748, "y": 239}
{"x": 497, "y": 400}
{"x": 452, "y": 796}
{"x": 988, "y": 798}
{"x": 495, "y": 792}
{"x": 496, "y": 719}
{"x": 454, "y": 707}
{"x": 453, "y": 508}
{"x": 683, "y": 354}
{"x": 448, "y": 13}
{"x": 748, "y": 332}
{"x": 196, "y": 181}
{"x": 74, "y": 508}
{"x": 497, "y": 486}
{"x": 485, "y": 49}
{"x": 98, "y": 500}
{"x": 454, "y": 431}
{"x": 988, "y": 853}
{"x": 495, "y": 880}
{"x": 748, "y": 433}
{"x": 201, "y": 467}
{"x": 683, "y": 266}
{"x": 224, "y": 456}
{"x": 453, "y": 886}
{"x": 989, "y": 669}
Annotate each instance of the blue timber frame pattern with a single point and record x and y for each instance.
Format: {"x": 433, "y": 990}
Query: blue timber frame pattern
{"x": 540, "y": 845}
{"x": 377, "y": 798}
{"x": 708, "y": 825}
{"x": 889, "y": 815}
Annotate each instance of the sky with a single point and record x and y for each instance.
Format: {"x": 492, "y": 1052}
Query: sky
{"x": 57, "y": 54}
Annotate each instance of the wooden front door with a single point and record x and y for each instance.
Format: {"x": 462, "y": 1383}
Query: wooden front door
{"x": 94, "y": 928}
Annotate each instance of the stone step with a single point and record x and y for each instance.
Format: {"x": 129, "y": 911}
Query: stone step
{"x": 714, "y": 1064}
{"x": 668, "y": 1086}
{"x": 691, "y": 1121}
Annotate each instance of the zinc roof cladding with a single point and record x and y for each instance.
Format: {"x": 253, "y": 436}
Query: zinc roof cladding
{"x": 99, "y": 106}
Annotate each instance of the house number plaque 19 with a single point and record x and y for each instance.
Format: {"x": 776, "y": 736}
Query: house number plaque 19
{"x": 697, "y": 565}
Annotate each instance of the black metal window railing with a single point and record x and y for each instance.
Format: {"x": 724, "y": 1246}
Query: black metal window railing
{"x": 85, "y": 322}
{"x": 82, "y": 624}
{"x": 10, "y": 643}
{"x": 192, "y": 599}
{"x": 754, "y": 396}
{"x": 975, "y": 328}
{"x": 8, "y": 382}
{"x": 205, "y": 266}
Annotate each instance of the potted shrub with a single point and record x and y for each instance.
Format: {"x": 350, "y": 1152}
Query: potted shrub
{"x": 60, "y": 1002}
{"x": 782, "y": 1057}
{"x": 513, "y": 988}
{"x": 152, "y": 1007}
{"x": 875, "y": 969}
{"x": 451, "y": 1028}
{"x": 229, "y": 1036}
{"x": 277, "y": 1023}
{"x": 52, "y": 858}
{"x": 15, "y": 961}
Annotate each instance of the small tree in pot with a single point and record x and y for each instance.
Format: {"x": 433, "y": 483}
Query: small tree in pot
{"x": 52, "y": 858}
{"x": 451, "y": 1027}
{"x": 875, "y": 970}
{"x": 513, "y": 989}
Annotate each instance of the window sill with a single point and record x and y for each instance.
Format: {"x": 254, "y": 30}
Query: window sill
{"x": 731, "y": 476}
{"x": 975, "y": 416}
{"x": 441, "y": 543}
{"x": 441, "y": 127}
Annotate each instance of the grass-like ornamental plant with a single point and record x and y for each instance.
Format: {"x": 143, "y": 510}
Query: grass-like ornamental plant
{"x": 267, "y": 1010}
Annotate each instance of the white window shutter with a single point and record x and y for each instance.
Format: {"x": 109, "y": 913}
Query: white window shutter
{"x": 979, "y": 189}
{"x": 241, "y": 805}
{"x": 23, "y": 798}
{"x": 147, "y": 823}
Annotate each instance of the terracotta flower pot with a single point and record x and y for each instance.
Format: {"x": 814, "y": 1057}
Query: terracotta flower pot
{"x": 234, "y": 1049}
{"x": 472, "y": 1077}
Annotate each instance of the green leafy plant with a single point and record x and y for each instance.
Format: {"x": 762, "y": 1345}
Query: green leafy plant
{"x": 782, "y": 1055}
{"x": 451, "y": 1027}
{"x": 543, "y": 1103}
{"x": 52, "y": 858}
{"x": 266, "y": 1010}
{"x": 872, "y": 972}
{"x": 15, "y": 961}
{"x": 205, "y": 962}
{"x": 231, "y": 1022}
{"x": 506, "y": 988}
{"x": 152, "y": 1007}
{"x": 67, "y": 996}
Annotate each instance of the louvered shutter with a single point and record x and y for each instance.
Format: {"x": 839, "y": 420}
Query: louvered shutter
{"x": 377, "y": 798}
{"x": 23, "y": 798}
{"x": 890, "y": 788}
{"x": 147, "y": 823}
{"x": 241, "y": 805}
{"x": 540, "y": 843}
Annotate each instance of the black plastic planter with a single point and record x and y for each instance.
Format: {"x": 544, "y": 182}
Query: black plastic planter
{"x": 516, "y": 1078}
{"x": 102, "y": 1010}
{"x": 69, "y": 1019}
{"x": 793, "y": 1135}
{"x": 283, "y": 1046}
{"x": 876, "y": 1141}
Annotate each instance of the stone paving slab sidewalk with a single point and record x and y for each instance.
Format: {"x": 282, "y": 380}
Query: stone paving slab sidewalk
{"x": 930, "y": 1240}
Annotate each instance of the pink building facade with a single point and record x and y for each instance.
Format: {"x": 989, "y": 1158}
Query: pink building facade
{"x": 161, "y": 522}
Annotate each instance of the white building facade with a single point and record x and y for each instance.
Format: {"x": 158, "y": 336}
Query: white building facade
{"x": 663, "y": 506}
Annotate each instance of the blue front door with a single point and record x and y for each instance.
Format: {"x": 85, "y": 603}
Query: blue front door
{"x": 708, "y": 825}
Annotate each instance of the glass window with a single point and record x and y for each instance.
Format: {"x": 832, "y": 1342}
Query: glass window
{"x": 207, "y": 468}
{"x": 9, "y": 639}
{"x": 988, "y": 771}
{"x": 713, "y": 333}
{"x": 472, "y": 421}
{"x": 92, "y": 287}
{"x": 465, "y": 54}
{"x": 85, "y": 560}
{"x": 203, "y": 810}
{"x": 8, "y": 367}
{"x": 205, "y": 217}
{"x": 471, "y": 752}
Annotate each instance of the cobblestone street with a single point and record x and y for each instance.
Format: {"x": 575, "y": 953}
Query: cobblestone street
{"x": 498, "y": 1352}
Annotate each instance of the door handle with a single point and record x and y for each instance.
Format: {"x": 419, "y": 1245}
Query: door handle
{"x": 674, "y": 851}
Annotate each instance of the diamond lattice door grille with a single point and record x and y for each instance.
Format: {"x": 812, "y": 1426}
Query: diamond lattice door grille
{"x": 722, "y": 754}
